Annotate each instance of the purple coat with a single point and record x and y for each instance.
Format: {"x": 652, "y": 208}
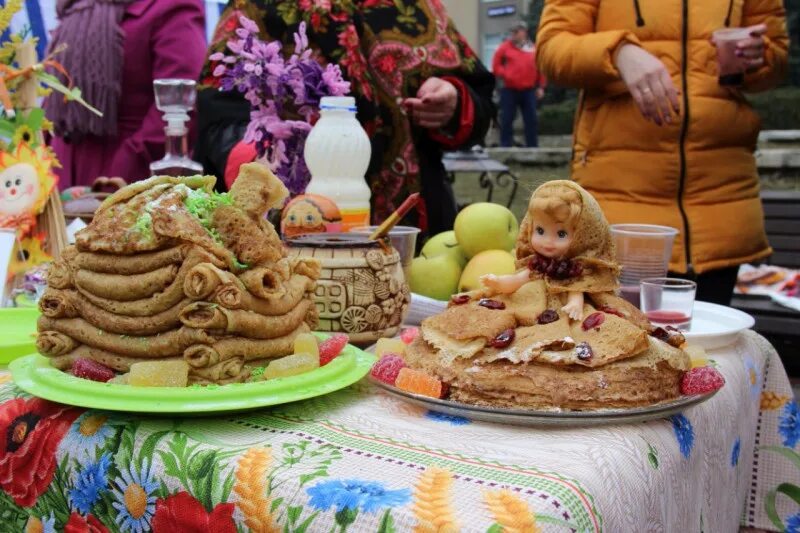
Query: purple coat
{"x": 163, "y": 39}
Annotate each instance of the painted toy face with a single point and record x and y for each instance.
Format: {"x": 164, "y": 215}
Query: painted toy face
{"x": 19, "y": 189}
{"x": 550, "y": 238}
{"x": 303, "y": 217}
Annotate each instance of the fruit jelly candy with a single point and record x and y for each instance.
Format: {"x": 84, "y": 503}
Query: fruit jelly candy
{"x": 409, "y": 334}
{"x": 91, "y": 369}
{"x": 159, "y": 374}
{"x": 306, "y": 343}
{"x": 384, "y": 346}
{"x": 291, "y": 365}
{"x": 387, "y": 368}
{"x": 419, "y": 383}
{"x": 331, "y": 347}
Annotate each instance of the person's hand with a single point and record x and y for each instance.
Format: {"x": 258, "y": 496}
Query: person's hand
{"x": 752, "y": 49}
{"x": 539, "y": 93}
{"x": 649, "y": 83}
{"x": 434, "y": 105}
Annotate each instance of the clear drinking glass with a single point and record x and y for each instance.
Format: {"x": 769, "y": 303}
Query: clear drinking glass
{"x": 643, "y": 251}
{"x": 668, "y": 301}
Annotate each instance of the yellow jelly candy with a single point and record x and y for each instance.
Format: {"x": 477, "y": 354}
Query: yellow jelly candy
{"x": 121, "y": 379}
{"x": 291, "y": 365}
{"x": 306, "y": 343}
{"x": 159, "y": 374}
{"x": 395, "y": 346}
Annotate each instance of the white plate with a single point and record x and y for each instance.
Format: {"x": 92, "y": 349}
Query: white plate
{"x": 542, "y": 417}
{"x": 714, "y": 326}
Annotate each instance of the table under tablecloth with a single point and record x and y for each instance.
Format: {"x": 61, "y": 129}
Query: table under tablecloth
{"x": 360, "y": 460}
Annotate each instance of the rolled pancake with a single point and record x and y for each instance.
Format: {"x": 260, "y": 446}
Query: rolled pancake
{"x": 235, "y": 296}
{"x": 132, "y": 264}
{"x": 70, "y": 304}
{"x": 306, "y": 266}
{"x": 224, "y": 370}
{"x": 119, "y": 363}
{"x": 217, "y": 319}
{"x": 59, "y": 274}
{"x": 264, "y": 282}
{"x": 251, "y": 243}
{"x": 58, "y": 303}
{"x": 153, "y": 347}
{"x": 159, "y": 302}
{"x": 204, "y": 279}
{"x": 54, "y": 344}
{"x": 202, "y": 356}
{"x": 125, "y": 287}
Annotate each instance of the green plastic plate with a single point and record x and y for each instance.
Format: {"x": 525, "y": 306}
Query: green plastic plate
{"x": 17, "y": 332}
{"x": 34, "y": 375}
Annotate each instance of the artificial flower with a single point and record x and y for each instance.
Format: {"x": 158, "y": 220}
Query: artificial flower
{"x": 284, "y": 95}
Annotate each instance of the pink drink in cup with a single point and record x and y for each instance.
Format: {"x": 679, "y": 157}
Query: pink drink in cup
{"x": 731, "y": 67}
{"x": 668, "y": 301}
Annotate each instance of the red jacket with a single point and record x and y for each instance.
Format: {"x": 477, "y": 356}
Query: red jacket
{"x": 517, "y": 67}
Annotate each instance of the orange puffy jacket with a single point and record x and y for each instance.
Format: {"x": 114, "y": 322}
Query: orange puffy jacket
{"x": 698, "y": 174}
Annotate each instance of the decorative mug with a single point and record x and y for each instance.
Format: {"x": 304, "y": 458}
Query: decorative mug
{"x": 362, "y": 290}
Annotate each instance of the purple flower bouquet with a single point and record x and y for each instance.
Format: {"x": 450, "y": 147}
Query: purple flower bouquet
{"x": 284, "y": 95}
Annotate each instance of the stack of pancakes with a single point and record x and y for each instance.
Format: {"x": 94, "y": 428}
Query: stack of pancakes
{"x": 606, "y": 360}
{"x": 170, "y": 270}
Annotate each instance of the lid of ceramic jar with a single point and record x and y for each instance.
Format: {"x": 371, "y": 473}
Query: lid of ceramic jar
{"x": 333, "y": 240}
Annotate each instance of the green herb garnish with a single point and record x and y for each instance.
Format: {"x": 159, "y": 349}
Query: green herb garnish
{"x": 201, "y": 205}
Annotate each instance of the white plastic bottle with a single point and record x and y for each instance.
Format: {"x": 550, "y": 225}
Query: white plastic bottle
{"x": 337, "y": 153}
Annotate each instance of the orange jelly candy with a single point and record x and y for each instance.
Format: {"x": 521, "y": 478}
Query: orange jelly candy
{"x": 419, "y": 383}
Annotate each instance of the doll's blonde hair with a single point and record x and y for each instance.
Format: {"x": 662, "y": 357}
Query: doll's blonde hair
{"x": 558, "y": 202}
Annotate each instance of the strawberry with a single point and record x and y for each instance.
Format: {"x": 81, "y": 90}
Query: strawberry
{"x": 701, "y": 380}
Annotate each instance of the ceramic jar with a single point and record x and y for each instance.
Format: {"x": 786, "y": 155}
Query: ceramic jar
{"x": 362, "y": 290}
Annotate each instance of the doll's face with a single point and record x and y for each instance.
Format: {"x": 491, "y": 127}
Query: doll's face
{"x": 19, "y": 189}
{"x": 550, "y": 238}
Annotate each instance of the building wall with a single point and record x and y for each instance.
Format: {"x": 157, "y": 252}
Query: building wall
{"x": 485, "y": 23}
{"x": 464, "y": 14}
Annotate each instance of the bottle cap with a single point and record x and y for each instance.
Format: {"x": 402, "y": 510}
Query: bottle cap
{"x": 341, "y": 103}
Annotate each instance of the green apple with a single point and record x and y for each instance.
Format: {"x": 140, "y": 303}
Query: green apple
{"x": 435, "y": 277}
{"x": 486, "y": 226}
{"x": 445, "y": 243}
{"x": 497, "y": 262}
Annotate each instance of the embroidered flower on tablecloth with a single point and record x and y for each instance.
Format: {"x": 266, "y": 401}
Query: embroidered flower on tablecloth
{"x": 183, "y": 513}
{"x": 737, "y": 448}
{"x": 753, "y": 377}
{"x": 684, "y": 432}
{"x": 91, "y": 482}
{"x": 789, "y": 425}
{"x": 349, "y": 496}
{"x": 135, "y": 500}
{"x": 46, "y": 524}
{"x": 30, "y": 432}
{"x": 792, "y": 524}
{"x": 80, "y": 524}
{"x": 88, "y": 433}
{"x": 450, "y": 419}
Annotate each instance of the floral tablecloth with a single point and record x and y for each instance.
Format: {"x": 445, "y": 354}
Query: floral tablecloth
{"x": 359, "y": 460}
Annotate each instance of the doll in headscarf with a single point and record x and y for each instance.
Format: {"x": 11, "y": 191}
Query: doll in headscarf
{"x": 565, "y": 240}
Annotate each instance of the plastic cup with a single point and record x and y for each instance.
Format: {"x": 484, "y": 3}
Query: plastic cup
{"x": 403, "y": 239}
{"x": 643, "y": 251}
{"x": 668, "y": 301}
{"x": 8, "y": 237}
{"x": 731, "y": 68}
